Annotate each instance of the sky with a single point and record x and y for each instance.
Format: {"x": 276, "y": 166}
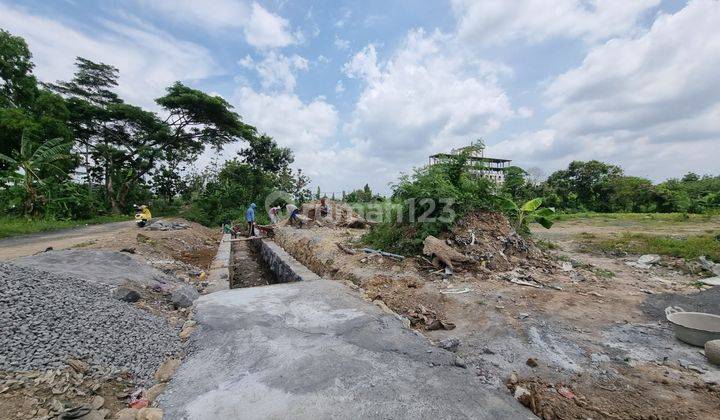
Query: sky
{"x": 364, "y": 91}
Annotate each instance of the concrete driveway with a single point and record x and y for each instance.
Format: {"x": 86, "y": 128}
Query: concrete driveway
{"x": 315, "y": 349}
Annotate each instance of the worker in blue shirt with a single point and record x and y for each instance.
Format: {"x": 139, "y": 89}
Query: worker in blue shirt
{"x": 250, "y": 217}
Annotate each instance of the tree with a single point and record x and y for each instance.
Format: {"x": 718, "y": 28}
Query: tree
{"x": 18, "y": 86}
{"x": 585, "y": 184}
{"x": 31, "y": 161}
{"x": 263, "y": 153}
{"x": 515, "y": 182}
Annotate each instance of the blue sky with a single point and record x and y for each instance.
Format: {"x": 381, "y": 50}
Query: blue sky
{"x": 362, "y": 91}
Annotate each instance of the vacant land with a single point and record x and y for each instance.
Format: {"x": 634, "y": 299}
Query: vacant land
{"x": 14, "y": 226}
{"x": 574, "y": 332}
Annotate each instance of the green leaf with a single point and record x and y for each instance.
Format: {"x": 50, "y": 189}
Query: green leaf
{"x": 545, "y": 212}
{"x": 544, "y": 222}
{"x": 532, "y": 205}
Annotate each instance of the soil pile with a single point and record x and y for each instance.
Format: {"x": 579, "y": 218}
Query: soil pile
{"x": 488, "y": 239}
{"x": 48, "y": 318}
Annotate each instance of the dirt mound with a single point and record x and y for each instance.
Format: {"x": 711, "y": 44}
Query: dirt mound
{"x": 338, "y": 214}
{"x": 488, "y": 239}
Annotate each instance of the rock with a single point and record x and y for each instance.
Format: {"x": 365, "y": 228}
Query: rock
{"x": 649, "y": 259}
{"x": 186, "y": 332}
{"x": 523, "y": 315}
{"x": 523, "y": 395}
{"x": 152, "y": 393}
{"x": 126, "y": 294}
{"x": 97, "y": 402}
{"x": 78, "y": 365}
{"x": 566, "y": 266}
{"x": 709, "y": 265}
{"x": 599, "y": 358}
{"x": 449, "y": 344}
{"x": 712, "y": 281}
{"x": 167, "y": 369}
{"x": 149, "y": 414}
{"x": 460, "y": 362}
{"x": 127, "y": 414}
{"x": 712, "y": 378}
{"x": 183, "y": 297}
{"x": 433, "y": 246}
{"x": 92, "y": 415}
{"x": 712, "y": 351}
{"x": 532, "y": 362}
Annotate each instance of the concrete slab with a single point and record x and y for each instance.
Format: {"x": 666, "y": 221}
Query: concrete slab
{"x": 219, "y": 273}
{"x": 314, "y": 349}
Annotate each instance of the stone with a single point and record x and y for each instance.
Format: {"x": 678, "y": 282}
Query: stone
{"x": 649, "y": 259}
{"x": 186, "y": 332}
{"x": 154, "y": 391}
{"x": 126, "y": 294}
{"x": 712, "y": 351}
{"x": 97, "y": 402}
{"x": 523, "y": 395}
{"x": 78, "y": 365}
{"x": 127, "y": 414}
{"x": 709, "y": 265}
{"x": 148, "y": 413}
{"x": 92, "y": 415}
{"x": 183, "y": 297}
{"x": 711, "y": 378}
{"x": 167, "y": 369}
{"x": 532, "y": 362}
{"x": 449, "y": 344}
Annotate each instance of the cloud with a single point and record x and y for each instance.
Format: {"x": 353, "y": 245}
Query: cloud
{"x": 268, "y": 30}
{"x": 339, "y": 87}
{"x": 276, "y": 71}
{"x": 499, "y": 21}
{"x": 149, "y": 59}
{"x": 262, "y": 29}
{"x": 650, "y": 102}
{"x": 428, "y": 97}
{"x": 341, "y": 44}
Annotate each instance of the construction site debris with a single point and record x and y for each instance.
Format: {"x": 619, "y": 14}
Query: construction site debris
{"x": 436, "y": 248}
{"x": 160, "y": 224}
{"x": 449, "y": 344}
{"x": 346, "y": 249}
{"x": 645, "y": 261}
{"x": 709, "y": 265}
{"x": 428, "y": 318}
{"x": 47, "y": 318}
{"x": 383, "y": 253}
{"x": 126, "y": 294}
{"x": 456, "y": 291}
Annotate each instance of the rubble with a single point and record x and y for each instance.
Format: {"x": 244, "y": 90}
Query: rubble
{"x": 709, "y": 265}
{"x": 645, "y": 261}
{"x": 434, "y": 247}
{"x": 160, "y": 224}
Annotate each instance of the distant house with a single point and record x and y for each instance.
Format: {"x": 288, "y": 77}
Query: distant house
{"x": 480, "y": 165}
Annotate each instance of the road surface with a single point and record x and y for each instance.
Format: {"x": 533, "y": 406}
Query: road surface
{"x": 19, "y": 246}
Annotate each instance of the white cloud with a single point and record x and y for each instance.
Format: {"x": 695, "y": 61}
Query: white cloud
{"x": 339, "y": 87}
{"x": 341, "y": 44}
{"x": 262, "y": 28}
{"x": 496, "y": 21}
{"x": 428, "y": 97}
{"x": 650, "y": 102}
{"x": 149, "y": 59}
{"x": 267, "y": 30}
{"x": 276, "y": 71}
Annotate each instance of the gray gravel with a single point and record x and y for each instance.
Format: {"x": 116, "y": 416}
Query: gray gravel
{"x": 46, "y": 318}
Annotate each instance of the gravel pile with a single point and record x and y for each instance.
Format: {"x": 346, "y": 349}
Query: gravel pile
{"x": 46, "y": 318}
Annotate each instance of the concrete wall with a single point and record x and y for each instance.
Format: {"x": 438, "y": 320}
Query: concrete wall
{"x": 283, "y": 265}
{"x": 220, "y": 270}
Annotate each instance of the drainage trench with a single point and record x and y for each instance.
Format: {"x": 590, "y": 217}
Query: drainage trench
{"x": 249, "y": 269}
{"x": 262, "y": 262}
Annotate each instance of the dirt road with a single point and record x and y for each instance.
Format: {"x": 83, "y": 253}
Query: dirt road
{"x": 21, "y": 246}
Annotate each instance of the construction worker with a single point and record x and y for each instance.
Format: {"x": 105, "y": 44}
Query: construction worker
{"x": 142, "y": 215}
{"x": 250, "y": 217}
{"x": 273, "y": 213}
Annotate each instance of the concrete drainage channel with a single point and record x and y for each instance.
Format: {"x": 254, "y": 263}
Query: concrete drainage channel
{"x": 259, "y": 262}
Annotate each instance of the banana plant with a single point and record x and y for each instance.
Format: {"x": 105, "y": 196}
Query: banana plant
{"x": 529, "y": 212}
{"x": 30, "y": 161}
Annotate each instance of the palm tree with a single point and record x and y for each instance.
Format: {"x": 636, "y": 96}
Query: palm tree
{"x": 30, "y": 162}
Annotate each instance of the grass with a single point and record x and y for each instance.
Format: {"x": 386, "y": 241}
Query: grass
{"x": 690, "y": 247}
{"x": 637, "y": 217}
{"x": 14, "y": 226}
